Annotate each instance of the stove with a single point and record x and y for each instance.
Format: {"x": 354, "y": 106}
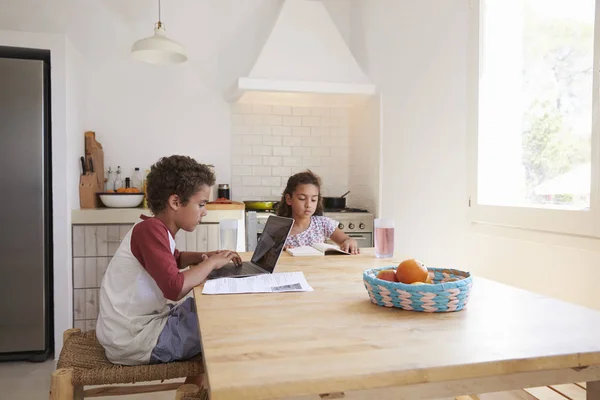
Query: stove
{"x": 355, "y": 222}
{"x": 346, "y": 210}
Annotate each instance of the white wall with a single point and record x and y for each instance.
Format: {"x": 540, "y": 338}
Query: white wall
{"x": 141, "y": 112}
{"x": 416, "y": 53}
{"x": 365, "y": 155}
{"x": 61, "y": 178}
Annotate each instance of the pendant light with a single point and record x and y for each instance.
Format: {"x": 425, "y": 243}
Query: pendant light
{"x": 159, "y": 49}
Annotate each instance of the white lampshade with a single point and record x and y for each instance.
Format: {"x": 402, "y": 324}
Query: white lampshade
{"x": 159, "y": 49}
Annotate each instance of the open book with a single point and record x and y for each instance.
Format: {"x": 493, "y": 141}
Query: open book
{"x": 316, "y": 249}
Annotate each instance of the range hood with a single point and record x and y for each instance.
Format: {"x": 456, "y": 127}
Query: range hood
{"x": 304, "y": 60}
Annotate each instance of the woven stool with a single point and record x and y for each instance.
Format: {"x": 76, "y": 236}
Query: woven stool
{"x": 191, "y": 392}
{"x": 82, "y": 362}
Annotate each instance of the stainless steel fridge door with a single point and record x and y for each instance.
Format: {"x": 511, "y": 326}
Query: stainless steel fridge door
{"x": 22, "y": 269}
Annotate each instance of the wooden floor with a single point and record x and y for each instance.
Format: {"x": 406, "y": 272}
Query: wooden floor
{"x": 572, "y": 391}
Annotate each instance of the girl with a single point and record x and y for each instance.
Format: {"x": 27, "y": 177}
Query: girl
{"x": 301, "y": 200}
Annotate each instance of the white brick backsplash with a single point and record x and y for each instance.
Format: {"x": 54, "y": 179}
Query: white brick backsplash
{"x": 261, "y": 109}
{"x": 252, "y": 139}
{"x": 277, "y": 191}
{"x": 319, "y": 151}
{"x": 261, "y": 129}
{"x": 282, "y": 172}
{"x": 328, "y": 161}
{"x": 311, "y": 141}
{"x": 273, "y": 161}
{"x": 241, "y": 129}
{"x": 301, "y": 151}
{"x": 311, "y": 121}
{"x": 292, "y": 141}
{"x": 271, "y": 181}
{"x": 261, "y": 191}
{"x": 272, "y": 140}
{"x": 282, "y": 110}
{"x": 240, "y": 150}
{"x": 339, "y": 151}
{"x": 236, "y": 180}
{"x": 282, "y": 151}
{"x": 262, "y": 150}
{"x": 251, "y": 180}
{"x": 301, "y": 131}
{"x": 273, "y": 120}
{"x": 252, "y": 160}
{"x": 301, "y": 111}
{"x": 332, "y": 121}
{"x": 339, "y": 112}
{"x": 241, "y": 170}
{"x": 250, "y": 119}
{"x": 320, "y": 111}
{"x": 261, "y": 171}
{"x": 237, "y": 139}
{"x": 242, "y": 192}
{"x": 282, "y": 130}
{"x": 241, "y": 108}
{"x": 338, "y": 132}
{"x": 292, "y": 121}
{"x": 292, "y": 161}
{"x": 237, "y": 119}
{"x": 319, "y": 131}
{"x": 311, "y": 161}
{"x": 334, "y": 142}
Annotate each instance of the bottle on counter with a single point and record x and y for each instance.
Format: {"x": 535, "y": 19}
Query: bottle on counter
{"x": 137, "y": 181}
{"x": 110, "y": 182}
{"x": 127, "y": 183}
{"x": 118, "y": 180}
{"x": 223, "y": 191}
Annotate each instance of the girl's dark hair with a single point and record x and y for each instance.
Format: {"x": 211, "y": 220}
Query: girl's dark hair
{"x": 302, "y": 178}
{"x": 180, "y": 175}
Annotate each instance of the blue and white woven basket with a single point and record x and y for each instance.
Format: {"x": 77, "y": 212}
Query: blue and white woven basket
{"x": 448, "y": 292}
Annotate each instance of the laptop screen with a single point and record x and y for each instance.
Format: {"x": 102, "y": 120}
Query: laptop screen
{"x": 271, "y": 242}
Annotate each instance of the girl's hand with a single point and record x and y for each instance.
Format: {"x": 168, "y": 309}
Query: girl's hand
{"x": 350, "y": 246}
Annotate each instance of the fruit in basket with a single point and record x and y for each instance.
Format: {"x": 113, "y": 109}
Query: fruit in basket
{"x": 387, "y": 275}
{"x": 410, "y": 271}
{"x": 128, "y": 190}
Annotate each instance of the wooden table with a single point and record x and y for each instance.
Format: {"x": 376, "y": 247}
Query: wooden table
{"x": 334, "y": 340}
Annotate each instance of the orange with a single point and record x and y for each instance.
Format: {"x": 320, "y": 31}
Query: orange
{"x": 410, "y": 271}
{"x": 387, "y": 275}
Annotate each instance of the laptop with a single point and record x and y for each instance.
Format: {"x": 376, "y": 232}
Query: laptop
{"x": 268, "y": 249}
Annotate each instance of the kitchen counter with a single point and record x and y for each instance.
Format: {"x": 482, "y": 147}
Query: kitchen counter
{"x": 216, "y": 212}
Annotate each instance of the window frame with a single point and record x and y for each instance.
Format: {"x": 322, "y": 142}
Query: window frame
{"x": 571, "y": 222}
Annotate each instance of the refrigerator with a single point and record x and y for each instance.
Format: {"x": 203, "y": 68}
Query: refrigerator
{"x": 26, "y": 301}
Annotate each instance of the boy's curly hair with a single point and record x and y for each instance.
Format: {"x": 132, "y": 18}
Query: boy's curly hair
{"x": 180, "y": 175}
{"x": 301, "y": 178}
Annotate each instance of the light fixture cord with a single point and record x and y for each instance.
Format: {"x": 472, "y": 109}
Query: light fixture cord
{"x": 159, "y": 18}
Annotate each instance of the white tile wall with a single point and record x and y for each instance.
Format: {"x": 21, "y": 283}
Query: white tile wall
{"x": 272, "y": 142}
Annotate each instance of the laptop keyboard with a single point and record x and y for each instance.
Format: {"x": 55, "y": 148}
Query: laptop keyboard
{"x": 231, "y": 270}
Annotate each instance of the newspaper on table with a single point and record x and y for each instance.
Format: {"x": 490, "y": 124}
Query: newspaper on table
{"x": 265, "y": 283}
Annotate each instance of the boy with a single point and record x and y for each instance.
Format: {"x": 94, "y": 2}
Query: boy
{"x": 136, "y": 325}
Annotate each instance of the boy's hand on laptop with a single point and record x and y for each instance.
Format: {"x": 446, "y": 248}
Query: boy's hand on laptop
{"x": 237, "y": 260}
{"x": 224, "y": 257}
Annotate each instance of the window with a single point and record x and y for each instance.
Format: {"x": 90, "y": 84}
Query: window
{"x": 535, "y": 98}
